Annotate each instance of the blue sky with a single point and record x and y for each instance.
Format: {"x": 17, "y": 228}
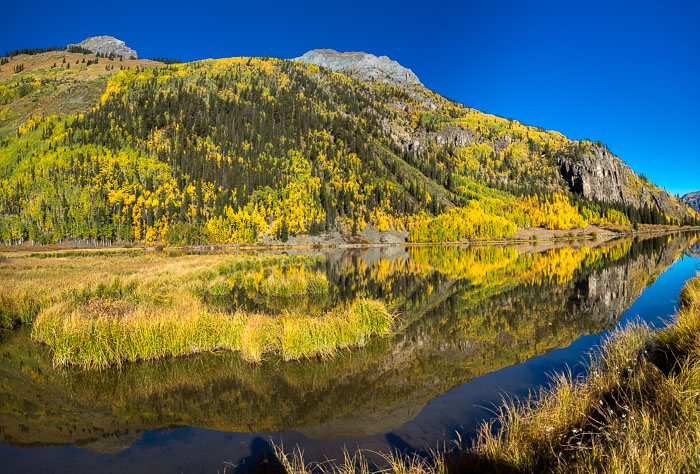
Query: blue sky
{"x": 625, "y": 73}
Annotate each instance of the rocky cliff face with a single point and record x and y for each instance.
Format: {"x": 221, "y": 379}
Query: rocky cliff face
{"x": 692, "y": 200}
{"x": 362, "y": 65}
{"x": 107, "y": 45}
{"x": 598, "y": 174}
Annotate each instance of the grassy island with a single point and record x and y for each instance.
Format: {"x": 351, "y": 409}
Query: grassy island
{"x": 104, "y": 310}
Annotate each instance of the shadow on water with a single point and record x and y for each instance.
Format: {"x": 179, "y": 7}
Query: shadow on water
{"x": 466, "y": 315}
{"x": 262, "y": 459}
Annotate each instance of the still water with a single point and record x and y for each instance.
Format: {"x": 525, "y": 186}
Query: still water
{"x": 475, "y": 324}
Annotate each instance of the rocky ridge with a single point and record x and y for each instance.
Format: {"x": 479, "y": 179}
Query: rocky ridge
{"x": 107, "y": 45}
{"x": 362, "y": 65}
{"x": 598, "y": 174}
{"x": 595, "y": 174}
{"x": 692, "y": 200}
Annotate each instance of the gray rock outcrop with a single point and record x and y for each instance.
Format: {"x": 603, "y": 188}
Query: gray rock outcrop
{"x": 692, "y": 199}
{"x": 107, "y": 45}
{"x": 598, "y": 174}
{"x": 362, "y": 65}
{"x": 694, "y": 251}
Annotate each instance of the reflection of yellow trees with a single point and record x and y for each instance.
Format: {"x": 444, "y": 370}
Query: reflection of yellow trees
{"x": 385, "y": 268}
{"x": 474, "y": 263}
{"x": 555, "y": 266}
{"x": 289, "y": 280}
{"x": 497, "y": 265}
{"x": 610, "y": 253}
{"x": 386, "y": 278}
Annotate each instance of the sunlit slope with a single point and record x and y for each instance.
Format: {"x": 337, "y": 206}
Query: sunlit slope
{"x": 55, "y": 82}
{"x": 245, "y": 149}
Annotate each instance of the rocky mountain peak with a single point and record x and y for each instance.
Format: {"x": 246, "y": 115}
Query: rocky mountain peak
{"x": 365, "y": 66}
{"x": 692, "y": 199}
{"x": 107, "y": 45}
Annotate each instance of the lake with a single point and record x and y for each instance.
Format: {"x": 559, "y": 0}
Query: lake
{"x": 474, "y": 324}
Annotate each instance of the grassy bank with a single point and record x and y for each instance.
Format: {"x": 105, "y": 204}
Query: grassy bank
{"x": 96, "y": 312}
{"x": 637, "y": 409}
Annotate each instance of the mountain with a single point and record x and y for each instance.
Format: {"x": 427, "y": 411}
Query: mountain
{"x": 259, "y": 149}
{"x": 692, "y": 200}
{"x": 362, "y": 65}
{"x": 106, "y": 46}
{"x": 595, "y": 174}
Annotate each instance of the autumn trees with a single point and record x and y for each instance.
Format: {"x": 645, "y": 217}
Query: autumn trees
{"x": 231, "y": 150}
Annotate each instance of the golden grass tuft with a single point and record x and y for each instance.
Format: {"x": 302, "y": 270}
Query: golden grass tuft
{"x": 94, "y": 312}
{"x": 294, "y": 284}
{"x": 358, "y": 462}
{"x": 18, "y": 306}
{"x": 103, "y": 333}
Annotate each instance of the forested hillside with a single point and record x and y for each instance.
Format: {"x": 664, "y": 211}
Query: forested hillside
{"x": 241, "y": 149}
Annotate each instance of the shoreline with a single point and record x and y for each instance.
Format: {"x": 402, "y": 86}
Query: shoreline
{"x": 556, "y": 236}
{"x": 636, "y": 409}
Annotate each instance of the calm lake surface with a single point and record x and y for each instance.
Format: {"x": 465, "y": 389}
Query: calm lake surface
{"x": 474, "y": 324}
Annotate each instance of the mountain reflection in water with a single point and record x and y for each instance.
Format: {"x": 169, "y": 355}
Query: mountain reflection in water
{"x": 463, "y": 313}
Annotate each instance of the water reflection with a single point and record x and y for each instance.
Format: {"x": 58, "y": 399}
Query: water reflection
{"x": 464, "y": 312}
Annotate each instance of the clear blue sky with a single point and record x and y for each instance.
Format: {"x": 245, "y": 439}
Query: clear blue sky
{"x": 625, "y": 73}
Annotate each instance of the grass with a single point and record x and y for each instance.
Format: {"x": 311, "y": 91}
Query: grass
{"x": 357, "y": 462}
{"x": 95, "y": 312}
{"x": 296, "y": 283}
{"x": 17, "y": 306}
{"x": 637, "y": 410}
{"x": 102, "y": 332}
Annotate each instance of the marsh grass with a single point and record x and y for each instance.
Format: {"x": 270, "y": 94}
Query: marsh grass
{"x": 90, "y": 253}
{"x": 94, "y": 312}
{"x": 103, "y": 333}
{"x": 362, "y": 462}
{"x": 17, "y": 306}
{"x": 636, "y": 410}
{"x": 294, "y": 284}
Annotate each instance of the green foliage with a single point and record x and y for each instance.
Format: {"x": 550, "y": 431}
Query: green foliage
{"x": 262, "y": 158}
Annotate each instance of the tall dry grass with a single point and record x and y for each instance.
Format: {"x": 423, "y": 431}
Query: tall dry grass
{"x": 294, "y": 284}
{"x": 361, "y": 462}
{"x": 636, "y": 410}
{"x": 102, "y": 333}
{"x": 98, "y": 311}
